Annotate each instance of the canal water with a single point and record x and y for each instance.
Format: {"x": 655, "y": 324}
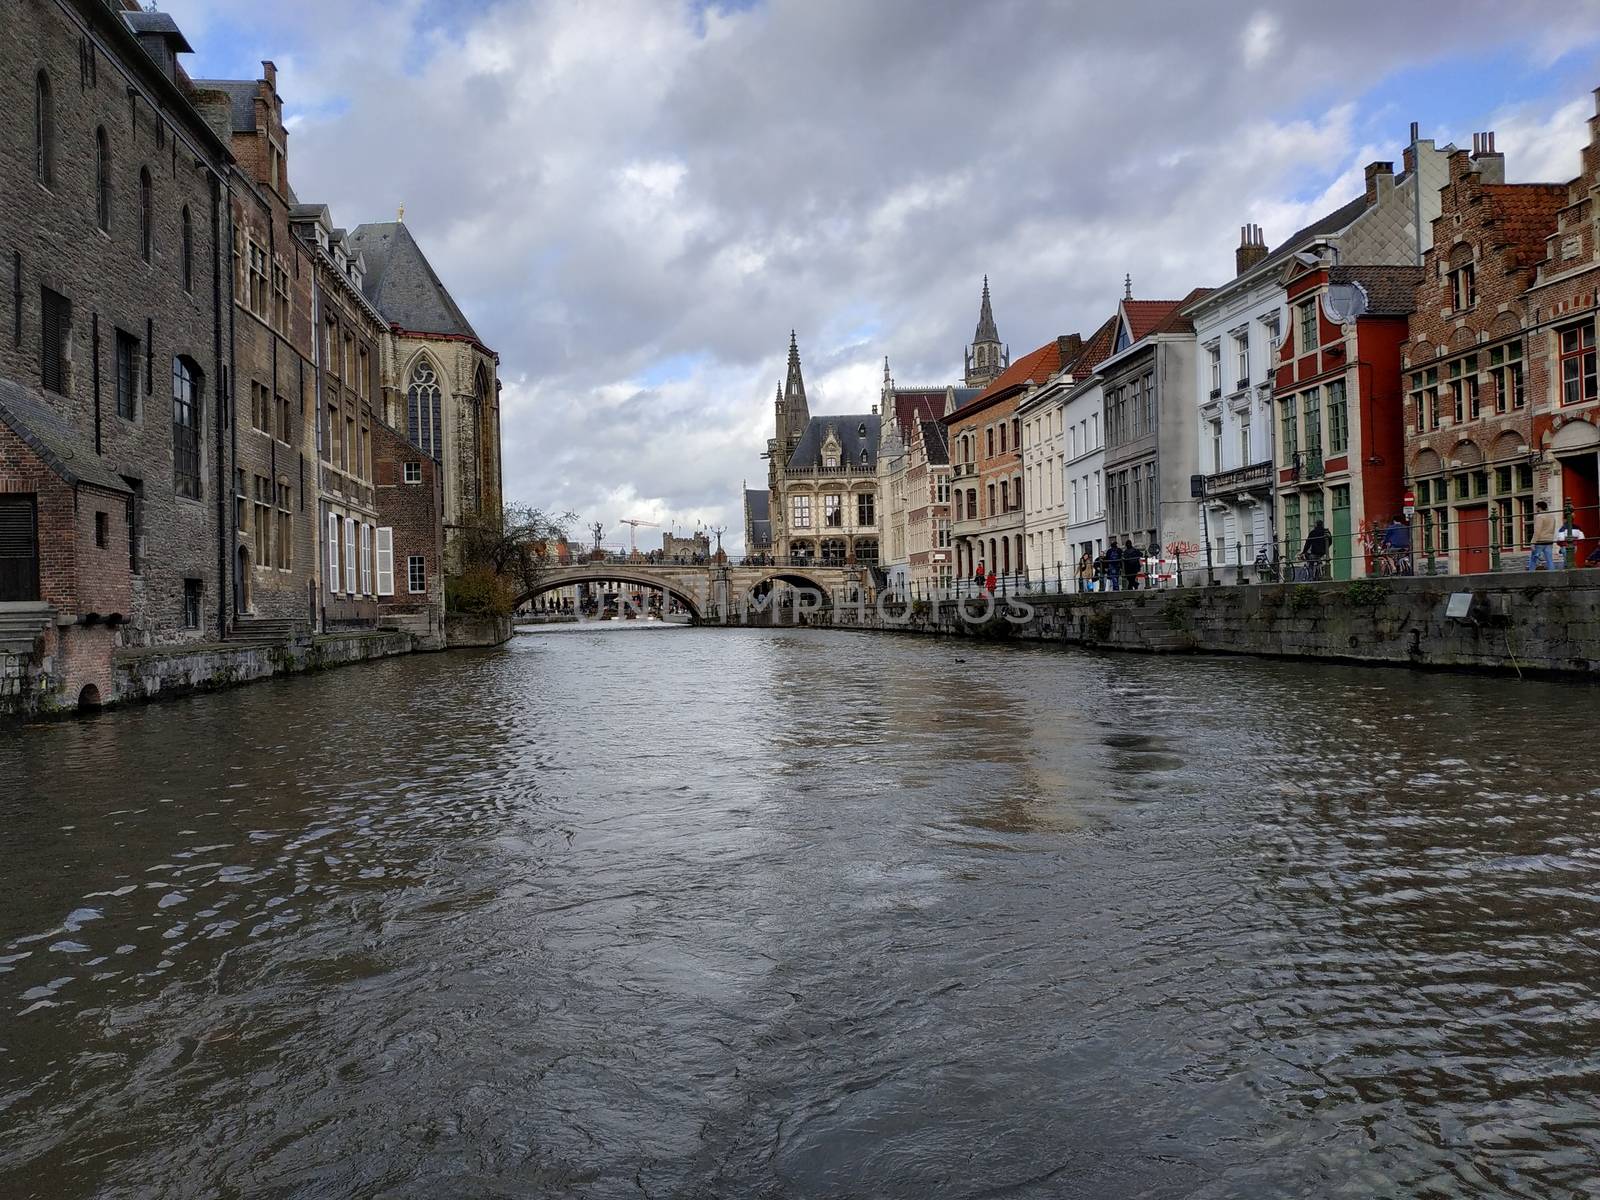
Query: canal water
{"x": 711, "y": 913}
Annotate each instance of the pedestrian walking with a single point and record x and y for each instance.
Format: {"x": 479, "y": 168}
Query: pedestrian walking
{"x": 1132, "y": 564}
{"x": 1113, "y": 562}
{"x": 1544, "y": 538}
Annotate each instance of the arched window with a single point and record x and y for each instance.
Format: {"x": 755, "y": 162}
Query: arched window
{"x": 44, "y": 131}
{"x": 424, "y": 419}
{"x": 146, "y": 213}
{"x": 102, "y": 178}
{"x": 187, "y": 384}
{"x": 188, "y": 251}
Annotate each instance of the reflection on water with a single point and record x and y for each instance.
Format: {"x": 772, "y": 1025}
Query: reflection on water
{"x": 768, "y": 913}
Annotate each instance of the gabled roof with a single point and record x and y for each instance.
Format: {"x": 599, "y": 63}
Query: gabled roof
{"x": 241, "y": 93}
{"x": 402, "y": 284}
{"x": 160, "y": 24}
{"x": 914, "y": 405}
{"x": 1034, "y": 367}
{"x": 847, "y": 428}
{"x": 1098, "y": 348}
{"x": 935, "y": 442}
{"x": 1391, "y": 290}
{"x": 61, "y": 445}
{"x": 1144, "y": 316}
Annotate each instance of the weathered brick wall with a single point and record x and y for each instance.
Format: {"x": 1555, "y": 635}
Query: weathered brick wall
{"x": 415, "y": 512}
{"x": 56, "y": 234}
{"x": 21, "y": 471}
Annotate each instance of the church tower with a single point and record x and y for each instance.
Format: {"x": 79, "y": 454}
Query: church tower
{"x": 986, "y": 357}
{"x": 793, "y": 413}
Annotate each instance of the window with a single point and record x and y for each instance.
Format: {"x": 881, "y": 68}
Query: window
{"x": 285, "y": 421}
{"x": 350, "y": 555}
{"x": 258, "y": 280}
{"x": 1291, "y": 525}
{"x": 800, "y": 511}
{"x": 1016, "y": 433}
{"x": 989, "y": 441}
{"x": 147, "y": 215}
{"x": 1471, "y": 388}
{"x": 830, "y": 461}
{"x": 383, "y": 553}
{"x": 1505, "y": 368}
{"x": 285, "y": 559}
{"x": 1148, "y": 399}
{"x": 56, "y": 322}
{"x": 366, "y": 559}
{"x": 832, "y": 511}
{"x": 1245, "y": 458}
{"x": 1464, "y": 287}
{"x": 423, "y": 416}
{"x": 1307, "y": 314}
{"x": 127, "y": 375}
{"x": 335, "y": 576}
{"x": 102, "y": 530}
{"x": 413, "y": 472}
{"x": 1425, "y": 399}
{"x": 263, "y": 521}
{"x": 1312, "y": 401}
{"x": 865, "y": 509}
{"x": 1338, "y": 418}
{"x": 102, "y": 179}
{"x": 1002, "y": 438}
{"x": 186, "y": 390}
{"x": 348, "y": 452}
{"x": 1241, "y": 360}
{"x": 44, "y": 131}
{"x": 260, "y": 407}
{"x": 941, "y": 490}
{"x": 186, "y": 249}
{"x": 1214, "y": 355}
{"x": 331, "y": 426}
{"x": 1289, "y": 426}
{"x": 240, "y": 503}
{"x": 1216, "y": 445}
{"x": 133, "y": 515}
{"x": 280, "y": 298}
{"x": 361, "y": 372}
{"x": 191, "y": 603}
{"x": 1577, "y": 363}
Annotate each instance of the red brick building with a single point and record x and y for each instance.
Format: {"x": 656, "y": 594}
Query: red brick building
{"x": 409, "y": 538}
{"x": 1338, "y": 405}
{"x": 1478, "y": 364}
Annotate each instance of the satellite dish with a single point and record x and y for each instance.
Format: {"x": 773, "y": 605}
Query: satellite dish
{"x": 1344, "y": 302}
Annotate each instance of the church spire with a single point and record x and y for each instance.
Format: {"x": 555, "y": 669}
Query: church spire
{"x": 986, "y": 328}
{"x": 986, "y": 357}
{"x": 795, "y": 387}
{"x": 792, "y": 397}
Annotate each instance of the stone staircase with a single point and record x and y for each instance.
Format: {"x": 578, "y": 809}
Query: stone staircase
{"x": 265, "y": 631}
{"x": 21, "y": 623}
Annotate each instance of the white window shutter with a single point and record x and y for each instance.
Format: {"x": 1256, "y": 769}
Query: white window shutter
{"x": 350, "y": 555}
{"x": 385, "y": 560}
{"x": 366, "y": 559}
{"x": 333, "y": 552}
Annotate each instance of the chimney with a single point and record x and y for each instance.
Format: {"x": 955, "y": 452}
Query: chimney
{"x": 1252, "y": 248}
{"x": 269, "y": 72}
{"x": 1068, "y": 346}
{"x": 1491, "y": 164}
{"x": 1375, "y": 172}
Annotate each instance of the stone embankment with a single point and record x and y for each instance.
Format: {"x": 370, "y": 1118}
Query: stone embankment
{"x": 1546, "y": 623}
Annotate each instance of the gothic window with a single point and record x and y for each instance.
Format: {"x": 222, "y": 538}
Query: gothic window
{"x": 44, "y": 131}
{"x": 186, "y": 388}
{"x": 424, "y": 416}
{"x": 146, "y": 213}
{"x": 102, "y": 179}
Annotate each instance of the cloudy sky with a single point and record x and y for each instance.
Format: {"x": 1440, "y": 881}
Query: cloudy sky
{"x": 636, "y": 200}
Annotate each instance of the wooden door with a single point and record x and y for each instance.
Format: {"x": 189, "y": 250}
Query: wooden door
{"x": 1472, "y": 533}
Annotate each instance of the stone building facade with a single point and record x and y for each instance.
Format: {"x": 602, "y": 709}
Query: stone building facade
{"x": 930, "y": 553}
{"x": 822, "y": 479}
{"x": 441, "y": 382}
{"x": 272, "y": 443}
{"x": 113, "y": 219}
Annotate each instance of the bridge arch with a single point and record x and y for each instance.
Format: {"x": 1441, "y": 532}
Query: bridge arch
{"x": 794, "y": 577}
{"x": 603, "y": 572}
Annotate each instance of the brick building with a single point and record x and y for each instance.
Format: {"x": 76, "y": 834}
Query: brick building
{"x": 930, "y": 556}
{"x": 272, "y": 444}
{"x": 408, "y": 547}
{"x": 112, "y": 215}
{"x": 1480, "y": 400}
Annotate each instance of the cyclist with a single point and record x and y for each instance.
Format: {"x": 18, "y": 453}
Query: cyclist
{"x": 1315, "y": 551}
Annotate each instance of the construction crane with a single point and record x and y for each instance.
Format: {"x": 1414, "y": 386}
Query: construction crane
{"x": 633, "y": 530}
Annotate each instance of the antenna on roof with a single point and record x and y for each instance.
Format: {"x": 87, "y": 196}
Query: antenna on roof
{"x": 1127, "y": 287}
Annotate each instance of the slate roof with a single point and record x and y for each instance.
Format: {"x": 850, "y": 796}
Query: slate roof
{"x": 241, "y": 95}
{"x": 65, "y": 449}
{"x": 986, "y": 331}
{"x": 758, "y": 514}
{"x": 847, "y": 428}
{"x": 402, "y": 284}
{"x": 935, "y": 442}
{"x": 1391, "y": 291}
{"x": 158, "y": 23}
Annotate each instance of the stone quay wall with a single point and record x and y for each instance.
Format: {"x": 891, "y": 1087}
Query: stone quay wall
{"x": 1543, "y": 623}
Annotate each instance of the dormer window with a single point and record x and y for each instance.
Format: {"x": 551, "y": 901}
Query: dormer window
{"x": 861, "y": 429}
{"x": 830, "y": 461}
{"x": 863, "y": 457}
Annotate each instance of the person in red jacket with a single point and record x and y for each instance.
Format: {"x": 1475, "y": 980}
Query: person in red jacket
{"x": 989, "y": 583}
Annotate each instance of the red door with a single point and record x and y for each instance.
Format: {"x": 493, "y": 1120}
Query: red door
{"x": 1472, "y": 532}
{"x": 1579, "y": 489}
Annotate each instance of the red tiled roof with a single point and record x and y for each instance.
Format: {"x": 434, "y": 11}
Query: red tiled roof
{"x": 1145, "y": 315}
{"x": 1098, "y": 348}
{"x": 911, "y": 407}
{"x": 1526, "y": 214}
{"x": 1034, "y": 367}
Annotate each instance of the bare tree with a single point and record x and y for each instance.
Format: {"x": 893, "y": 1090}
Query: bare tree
{"x": 518, "y": 545}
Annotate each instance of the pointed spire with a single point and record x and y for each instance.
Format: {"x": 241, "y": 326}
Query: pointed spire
{"x": 885, "y": 370}
{"x": 1127, "y": 287}
{"x": 986, "y": 327}
{"x": 795, "y": 386}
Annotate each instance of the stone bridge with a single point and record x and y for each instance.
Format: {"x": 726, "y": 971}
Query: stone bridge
{"x": 712, "y": 592}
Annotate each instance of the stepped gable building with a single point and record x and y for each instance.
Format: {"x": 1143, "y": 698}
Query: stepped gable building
{"x": 822, "y": 478}
{"x": 271, "y": 450}
{"x": 930, "y": 557}
{"x": 985, "y": 440}
{"x": 987, "y": 357}
{"x": 907, "y": 407}
{"x": 442, "y": 385}
{"x": 1482, "y": 364}
{"x": 1148, "y": 419}
{"x": 113, "y": 220}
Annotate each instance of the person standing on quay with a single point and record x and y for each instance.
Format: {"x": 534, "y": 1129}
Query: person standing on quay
{"x": 1544, "y": 537}
{"x": 1086, "y": 573}
{"x": 1132, "y": 563}
{"x": 1114, "y": 565}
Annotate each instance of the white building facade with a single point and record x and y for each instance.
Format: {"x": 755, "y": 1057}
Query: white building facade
{"x": 1043, "y": 481}
{"x": 1084, "y": 466}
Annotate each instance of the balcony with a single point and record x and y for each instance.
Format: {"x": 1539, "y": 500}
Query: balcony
{"x": 964, "y": 470}
{"x": 1306, "y": 467}
{"x": 1257, "y": 477}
